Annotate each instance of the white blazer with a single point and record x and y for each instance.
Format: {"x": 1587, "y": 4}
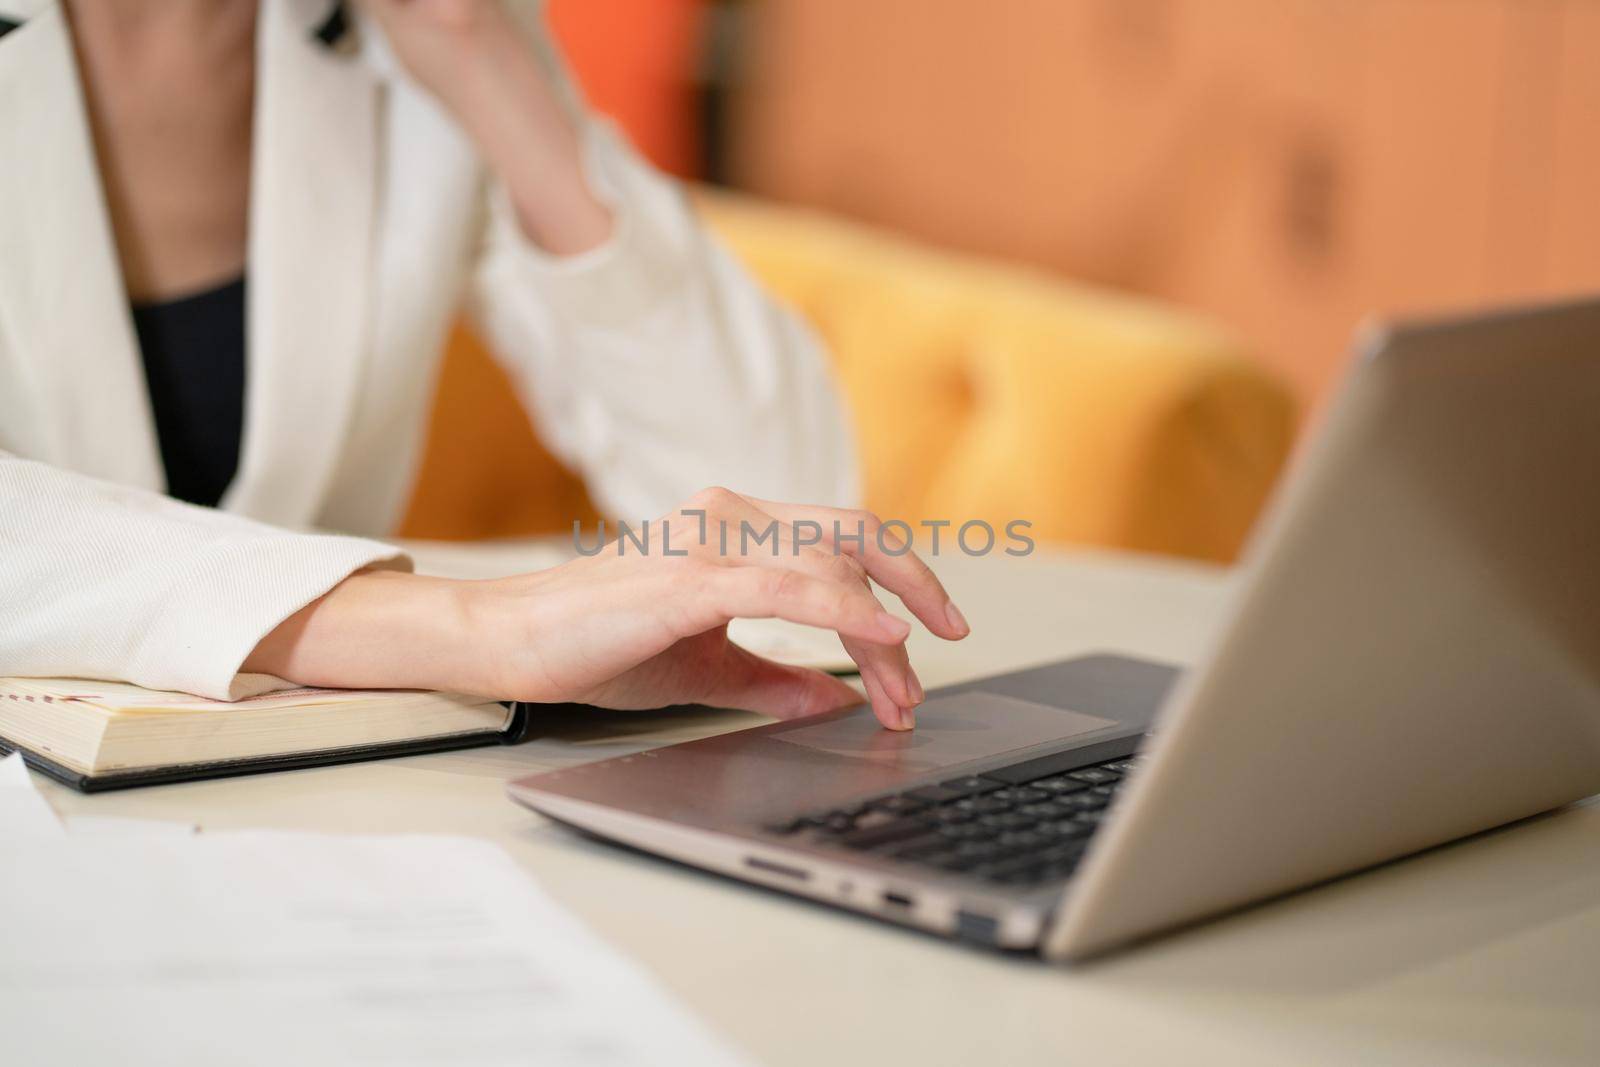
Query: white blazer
{"x": 653, "y": 364}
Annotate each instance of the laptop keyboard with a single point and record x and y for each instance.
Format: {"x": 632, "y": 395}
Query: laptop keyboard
{"x": 1001, "y": 826}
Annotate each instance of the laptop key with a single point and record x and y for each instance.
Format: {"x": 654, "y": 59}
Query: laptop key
{"x": 1020, "y": 795}
{"x": 1032, "y": 865}
{"x": 874, "y": 836}
{"x": 955, "y": 861}
{"x": 1064, "y": 853}
{"x": 1017, "y": 869}
{"x": 875, "y": 818}
{"x": 835, "y": 822}
{"x": 900, "y": 805}
{"x": 917, "y": 849}
{"x": 979, "y": 850}
{"x": 972, "y": 785}
{"x": 1058, "y": 784}
{"x": 1094, "y": 775}
{"x": 1060, "y": 869}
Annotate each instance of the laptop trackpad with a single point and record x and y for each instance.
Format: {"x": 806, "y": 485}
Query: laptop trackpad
{"x": 950, "y": 730}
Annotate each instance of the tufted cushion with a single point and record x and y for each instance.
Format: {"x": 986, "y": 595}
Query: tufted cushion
{"x": 977, "y": 390}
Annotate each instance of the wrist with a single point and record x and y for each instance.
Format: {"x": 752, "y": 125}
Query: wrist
{"x": 375, "y": 630}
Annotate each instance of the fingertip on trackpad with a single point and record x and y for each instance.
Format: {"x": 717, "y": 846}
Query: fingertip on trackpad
{"x": 950, "y": 729}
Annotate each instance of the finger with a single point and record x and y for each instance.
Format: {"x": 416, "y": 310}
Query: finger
{"x": 742, "y": 534}
{"x": 888, "y": 712}
{"x": 766, "y": 593}
{"x": 889, "y": 663}
{"x": 890, "y": 707}
{"x": 753, "y": 683}
{"x": 746, "y": 535}
{"x": 886, "y": 557}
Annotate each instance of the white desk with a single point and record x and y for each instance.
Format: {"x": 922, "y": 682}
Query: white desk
{"x": 1483, "y": 952}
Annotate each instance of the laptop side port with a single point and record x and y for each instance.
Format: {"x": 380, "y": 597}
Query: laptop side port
{"x": 978, "y": 928}
{"x": 898, "y": 900}
{"x": 756, "y": 863}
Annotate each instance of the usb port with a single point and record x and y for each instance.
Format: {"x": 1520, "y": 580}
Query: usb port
{"x": 977, "y": 927}
{"x": 897, "y": 900}
{"x": 756, "y": 863}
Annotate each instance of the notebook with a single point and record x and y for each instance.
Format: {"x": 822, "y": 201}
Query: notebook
{"x": 107, "y": 735}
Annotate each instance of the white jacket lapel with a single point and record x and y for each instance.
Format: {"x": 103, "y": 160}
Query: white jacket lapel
{"x": 312, "y": 216}
{"x": 63, "y": 306}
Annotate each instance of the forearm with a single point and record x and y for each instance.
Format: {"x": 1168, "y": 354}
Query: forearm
{"x": 376, "y": 630}
{"x": 482, "y": 66}
{"x": 104, "y": 581}
{"x": 530, "y": 144}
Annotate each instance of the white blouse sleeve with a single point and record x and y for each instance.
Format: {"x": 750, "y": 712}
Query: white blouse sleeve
{"x": 654, "y": 365}
{"x": 107, "y": 582}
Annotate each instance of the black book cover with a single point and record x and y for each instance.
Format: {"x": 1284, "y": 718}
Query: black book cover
{"x": 515, "y": 731}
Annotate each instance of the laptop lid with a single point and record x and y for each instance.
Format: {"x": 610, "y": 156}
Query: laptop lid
{"x": 1414, "y": 651}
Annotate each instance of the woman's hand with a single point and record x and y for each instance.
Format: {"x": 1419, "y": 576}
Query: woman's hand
{"x": 636, "y": 629}
{"x": 476, "y": 60}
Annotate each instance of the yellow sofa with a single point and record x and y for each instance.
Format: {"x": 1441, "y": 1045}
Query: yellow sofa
{"x": 978, "y": 391}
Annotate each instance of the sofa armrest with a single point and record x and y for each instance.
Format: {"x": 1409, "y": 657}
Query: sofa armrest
{"x": 982, "y": 391}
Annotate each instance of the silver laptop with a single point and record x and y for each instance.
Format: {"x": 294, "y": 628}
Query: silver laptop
{"x": 1412, "y": 655}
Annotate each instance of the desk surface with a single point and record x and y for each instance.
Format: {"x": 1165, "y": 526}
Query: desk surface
{"x": 1487, "y": 951}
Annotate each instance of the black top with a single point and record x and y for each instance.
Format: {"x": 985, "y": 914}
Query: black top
{"x": 193, "y": 350}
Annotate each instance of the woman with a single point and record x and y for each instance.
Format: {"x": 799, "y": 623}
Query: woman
{"x": 322, "y": 187}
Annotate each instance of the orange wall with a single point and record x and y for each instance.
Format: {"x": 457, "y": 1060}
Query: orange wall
{"x": 1285, "y": 165}
{"x": 637, "y": 61}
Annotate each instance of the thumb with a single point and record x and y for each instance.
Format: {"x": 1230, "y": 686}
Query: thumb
{"x": 754, "y": 683}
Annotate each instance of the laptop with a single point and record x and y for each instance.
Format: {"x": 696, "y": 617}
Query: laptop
{"x": 1411, "y": 655}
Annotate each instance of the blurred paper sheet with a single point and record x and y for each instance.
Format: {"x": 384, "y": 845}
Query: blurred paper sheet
{"x": 274, "y": 948}
{"x": 83, "y": 825}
